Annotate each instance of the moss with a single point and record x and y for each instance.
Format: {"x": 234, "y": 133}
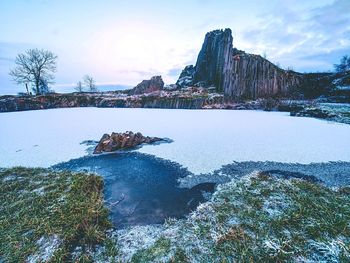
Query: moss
{"x": 41, "y": 203}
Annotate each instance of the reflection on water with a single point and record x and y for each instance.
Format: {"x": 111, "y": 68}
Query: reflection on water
{"x": 141, "y": 189}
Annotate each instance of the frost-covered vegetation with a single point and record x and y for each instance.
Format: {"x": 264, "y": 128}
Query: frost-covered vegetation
{"x": 337, "y": 112}
{"x": 47, "y": 215}
{"x": 258, "y": 218}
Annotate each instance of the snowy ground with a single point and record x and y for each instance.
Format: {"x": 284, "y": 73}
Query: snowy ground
{"x": 204, "y": 140}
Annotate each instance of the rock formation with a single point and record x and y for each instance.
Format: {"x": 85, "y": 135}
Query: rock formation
{"x": 186, "y": 76}
{"x": 253, "y": 77}
{"x": 121, "y": 141}
{"x": 146, "y": 86}
{"x": 235, "y": 73}
{"x": 214, "y": 60}
{"x": 186, "y": 98}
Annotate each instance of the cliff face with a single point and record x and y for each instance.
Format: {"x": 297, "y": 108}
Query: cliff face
{"x": 252, "y": 76}
{"x": 215, "y": 59}
{"x": 235, "y": 73}
{"x": 195, "y": 98}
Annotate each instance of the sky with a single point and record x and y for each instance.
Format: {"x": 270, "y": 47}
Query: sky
{"x": 123, "y": 42}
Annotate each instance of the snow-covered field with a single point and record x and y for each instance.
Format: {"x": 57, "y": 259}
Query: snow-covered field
{"x": 204, "y": 140}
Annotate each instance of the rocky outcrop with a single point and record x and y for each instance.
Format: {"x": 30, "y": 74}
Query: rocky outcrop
{"x": 214, "y": 60}
{"x": 146, "y": 86}
{"x": 235, "y": 73}
{"x": 186, "y": 76}
{"x": 121, "y": 141}
{"x": 49, "y": 101}
{"x": 334, "y": 86}
{"x": 331, "y": 112}
{"x": 253, "y": 77}
{"x": 186, "y": 98}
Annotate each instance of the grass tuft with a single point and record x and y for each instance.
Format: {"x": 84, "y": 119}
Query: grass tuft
{"x": 62, "y": 208}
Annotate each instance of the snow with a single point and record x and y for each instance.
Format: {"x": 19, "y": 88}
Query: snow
{"x": 47, "y": 247}
{"x": 138, "y": 237}
{"x": 203, "y": 140}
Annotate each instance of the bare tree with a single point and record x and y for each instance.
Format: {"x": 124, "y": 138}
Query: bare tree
{"x": 344, "y": 64}
{"x": 90, "y": 83}
{"x": 35, "y": 66}
{"x": 79, "y": 86}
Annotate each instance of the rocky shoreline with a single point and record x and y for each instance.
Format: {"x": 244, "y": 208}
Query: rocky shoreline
{"x": 189, "y": 98}
{"x": 331, "y": 174}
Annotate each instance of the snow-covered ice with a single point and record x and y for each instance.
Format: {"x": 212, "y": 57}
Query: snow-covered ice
{"x": 204, "y": 140}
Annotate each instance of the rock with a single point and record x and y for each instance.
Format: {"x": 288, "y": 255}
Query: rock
{"x": 186, "y": 77}
{"x": 120, "y": 141}
{"x": 313, "y": 112}
{"x": 289, "y": 107}
{"x": 253, "y": 77}
{"x": 330, "y": 87}
{"x": 172, "y": 98}
{"x": 235, "y": 73}
{"x": 214, "y": 59}
{"x": 101, "y": 145}
{"x": 147, "y": 86}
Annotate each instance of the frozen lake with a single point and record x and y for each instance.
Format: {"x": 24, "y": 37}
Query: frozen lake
{"x": 204, "y": 140}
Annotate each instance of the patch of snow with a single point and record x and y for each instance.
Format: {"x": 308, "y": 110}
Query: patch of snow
{"x": 343, "y": 87}
{"x": 206, "y": 195}
{"x": 138, "y": 237}
{"x": 47, "y": 247}
{"x": 275, "y": 205}
{"x": 9, "y": 178}
{"x": 39, "y": 191}
{"x": 327, "y": 252}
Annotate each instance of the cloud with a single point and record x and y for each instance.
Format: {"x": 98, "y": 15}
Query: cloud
{"x": 174, "y": 72}
{"x": 293, "y": 37}
{"x": 7, "y": 59}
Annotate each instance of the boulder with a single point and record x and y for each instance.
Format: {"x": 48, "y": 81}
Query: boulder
{"x": 147, "y": 86}
{"x": 120, "y": 141}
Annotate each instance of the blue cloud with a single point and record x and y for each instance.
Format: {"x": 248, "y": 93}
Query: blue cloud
{"x": 292, "y": 37}
{"x": 174, "y": 72}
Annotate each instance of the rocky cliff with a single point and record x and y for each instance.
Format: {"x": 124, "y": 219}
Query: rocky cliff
{"x": 252, "y": 76}
{"x": 235, "y": 73}
{"x": 214, "y": 61}
{"x": 190, "y": 98}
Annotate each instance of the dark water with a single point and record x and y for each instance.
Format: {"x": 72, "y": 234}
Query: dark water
{"x": 141, "y": 189}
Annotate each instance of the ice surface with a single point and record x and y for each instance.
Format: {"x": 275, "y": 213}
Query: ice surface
{"x": 204, "y": 140}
